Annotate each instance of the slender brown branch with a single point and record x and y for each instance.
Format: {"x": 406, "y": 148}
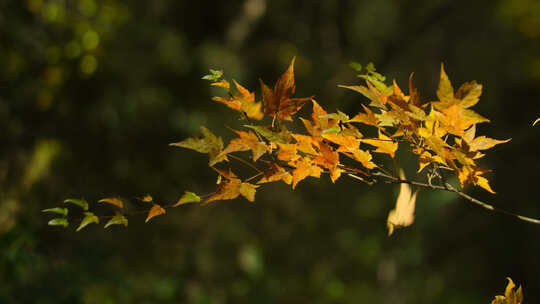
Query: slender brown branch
{"x": 450, "y": 188}
{"x": 245, "y": 162}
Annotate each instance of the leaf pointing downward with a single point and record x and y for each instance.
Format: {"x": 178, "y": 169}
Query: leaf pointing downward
{"x": 154, "y": 211}
{"x": 403, "y": 214}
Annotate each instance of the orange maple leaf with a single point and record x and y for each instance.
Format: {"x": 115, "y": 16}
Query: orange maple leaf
{"x": 278, "y": 102}
{"x": 243, "y": 101}
{"x": 247, "y": 141}
{"x": 329, "y": 159}
{"x": 303, "y": 168}
{"x": 154, "y": 211}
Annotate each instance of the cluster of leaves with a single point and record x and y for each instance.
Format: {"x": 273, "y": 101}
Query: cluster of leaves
{"x": 119, "y": 218}
{"x": 441, "y": 133}
{"x": 511, "y": 296}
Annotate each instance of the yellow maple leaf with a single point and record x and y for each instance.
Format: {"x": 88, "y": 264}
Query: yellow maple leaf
{"x": 511, "y": 296}
{"x": 403, "y": 214}
{"x": 384, "y": 144}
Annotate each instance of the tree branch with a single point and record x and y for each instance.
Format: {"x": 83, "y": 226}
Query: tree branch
{"x": 450, "y": 188}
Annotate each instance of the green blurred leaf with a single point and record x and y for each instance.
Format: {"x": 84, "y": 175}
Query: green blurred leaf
{"x": 62, "y": 211}
{"x": 214, "y": 75}
{"x": 334, "y": 129}
{"x": 188, "y": 197}
{"x": 79, "y": 202}
{"x": 355, "y": 66}
{"x": 337, "y": 116}
{"x": 118, "y": 219}
{"x": 58, "y": 222}
{"x": 89, "y": 218}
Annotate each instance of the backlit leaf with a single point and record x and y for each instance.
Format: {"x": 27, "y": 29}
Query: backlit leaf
{"x": 118, "y": 219}
{"x": 113, "y": 201}
{"x": 79, "y": 202}
{"x": 58, "y": 210}
{"x": 209, "y": 143}
{"x": 154, "y": 211}
{"x": 88, "y": 219}
{"x": 511, "y": 295}
{"x": 246, "y": 141}
{"x": 445, "y": 91}
{"x": 384, "y": 144}
{"x": 403, "y": 214}
{"x": 188, "y": 197}
{"x": 58, "y": 222}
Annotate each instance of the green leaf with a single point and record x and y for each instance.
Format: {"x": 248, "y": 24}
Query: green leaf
{"x": 188, "y": 197}
{"x": 266, "y": 131}
{"x": 62, "y": 211}
{"x": 334, "y": 129}
{"x": 58, "y": 222}
{"x": 214, "y": 75}
{"x": 89, "y": 218}
{"x": 79, "y": 202}
{"x": 118, "y": 219}
{"x": 209, "y": 143}
{"x": 355, "y": 66}
{"x": 337, "y": 116}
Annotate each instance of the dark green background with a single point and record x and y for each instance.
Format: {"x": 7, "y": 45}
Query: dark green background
{"x": 92, "y": 92}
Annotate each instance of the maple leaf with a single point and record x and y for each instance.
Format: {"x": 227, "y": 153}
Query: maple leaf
{"x": 425, "y": 159}
{"x": 243, "y": 101}
{"x": 113, "y": 201}
{"x": 384, "y": 144}
{"x": 305, "y": 143}
{"x": 283, "y": 136}
{"x": 319, "y": 124}
{"x": 349, "y": 146}
{"x": 367, "y": 118}
{"x": 232, "y": 188}
{"x": 118, "y": 219}
{"x": 511, "y": 296}
{"x": 287, "y": 152}
{"x": 303, "y": 168}
{"x": 403, "y": 214}
{"x": 278, "y": 102}
{"x": 209, "y": 144}
{"x": 188, "y": 197}
{"x": 247, "y": 141}
{"x": 154, "y": 211}
{"x": 472, "y": 174}
{"x": 329, "y": 159}
{"x": 276, "y": 173}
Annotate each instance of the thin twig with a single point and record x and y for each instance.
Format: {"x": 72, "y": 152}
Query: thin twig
{"x": 450, "y": 188}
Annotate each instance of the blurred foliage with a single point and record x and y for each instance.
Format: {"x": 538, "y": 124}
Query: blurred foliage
{"x": 92, "y": 91}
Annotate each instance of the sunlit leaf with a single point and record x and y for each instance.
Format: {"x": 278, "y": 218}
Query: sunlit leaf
{"x": 511, "y": 295}
{"x": 118, "y": 219}
{"x": 113, "y": 201}
{"x": 188, "y": 197}
{"x": 209, "y": 143}
{"x": 154, "y": 211}
{"x": 147, "y": 198}
{"x": 403, "y": 214}
{"x": 214, "y": 75}
{"x": 246, "y": 141}
{"x": 58, "y": 210}
{"x": 58, "y": 222}
{"x": 89, "y": 218}
{"x": 384, "y": 144}
{"x": 79, "y": 202}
